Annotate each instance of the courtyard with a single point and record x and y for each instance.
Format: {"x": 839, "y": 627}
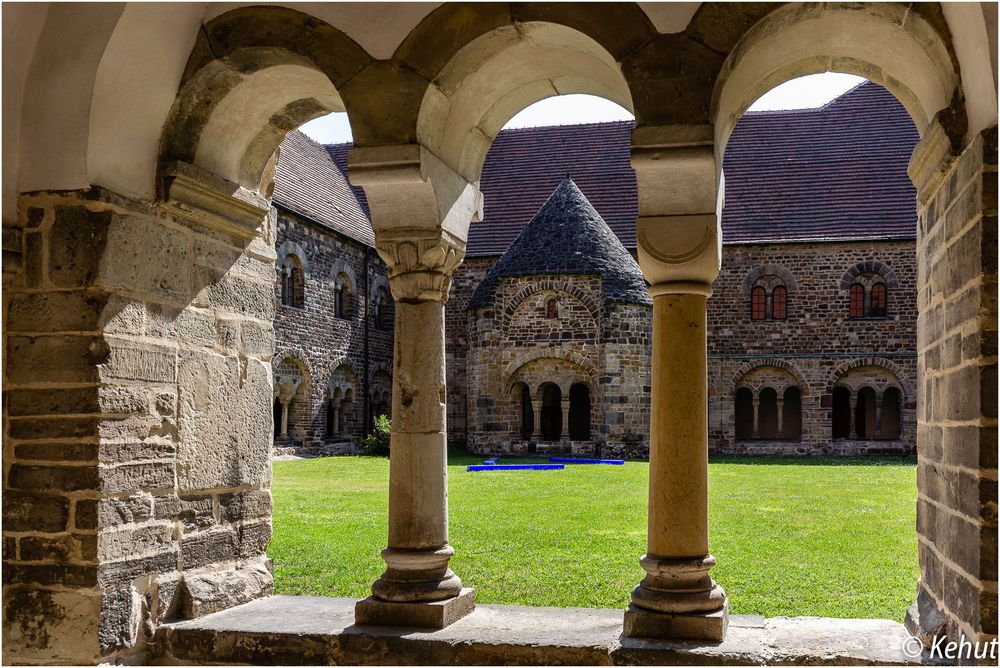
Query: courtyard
{"x": 794, "y": 537}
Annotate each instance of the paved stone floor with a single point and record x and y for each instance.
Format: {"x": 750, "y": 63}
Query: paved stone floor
{"x": 296, "y": 630}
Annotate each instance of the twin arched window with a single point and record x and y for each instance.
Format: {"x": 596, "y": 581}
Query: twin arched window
{"x": 292, "y": 282}
{"x": 343, "y": 302}
{"x": 869, "y": 297}
{"x": 769, "y": 299}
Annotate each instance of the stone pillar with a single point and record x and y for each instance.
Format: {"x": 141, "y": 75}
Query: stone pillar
{"x": 756, "y": 417}
{"x": 878, "y": 418}
{"x": 285, "y": 403}
{"x": 852, "y": 413}
{"x": 335, "y": 407}
{"x": 679, "y": 252}
{"x": 564, "y": 433}
{"x": 781, "y": 417}
{"x": 536, "y": 407}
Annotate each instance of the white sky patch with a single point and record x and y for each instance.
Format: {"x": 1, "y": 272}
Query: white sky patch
{"x": 807, "y": 92}
{"x": 802, "y": 93}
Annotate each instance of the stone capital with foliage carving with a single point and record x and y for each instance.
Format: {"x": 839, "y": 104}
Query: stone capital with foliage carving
{"x": 420, "y": 262}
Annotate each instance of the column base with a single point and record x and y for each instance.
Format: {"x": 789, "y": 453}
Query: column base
{"x": 374, "y": 611}
{"x": 642, "y": 623}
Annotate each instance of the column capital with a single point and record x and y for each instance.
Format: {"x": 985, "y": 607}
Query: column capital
{"x": 420, "y": 262}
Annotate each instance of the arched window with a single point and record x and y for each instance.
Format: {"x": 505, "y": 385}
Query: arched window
{"x": 869, "y": 296}
{"x": 841, "y": 412}
{"x": 527, "y": 414}
{"x": 292, "y": 282}
{"x": 767, "y": 413}
{"x": 383, "y": 309}
{"x": 891, "y": 403}
{"x": 791, "y": 414}
{"x": 551, "y": 418}
{"x": 857, "y": 301}
{"x": 551, "y": 309}
{"x": 779, "y": 303}
{"x": 864, "y": 414}
{"x": 879, "y": 301}
{"x": 758, "y": 299}
{"x": 769, "y": 298}
{"x": 342, "y": 299}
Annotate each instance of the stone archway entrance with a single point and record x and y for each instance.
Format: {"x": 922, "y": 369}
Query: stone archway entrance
{"x": 552, "y": 418}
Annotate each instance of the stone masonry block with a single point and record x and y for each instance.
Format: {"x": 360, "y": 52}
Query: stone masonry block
{"x": 32, "y": 512}
{"x": 211, "y": 592}
{"x": 54, "y": 359}
{"x": 77, "y": 241}
{"x": 147, "y": 256}
{"x": 56, "y": 311}
{"x": 51, "y": 626}
{"x": 224, "y": 421}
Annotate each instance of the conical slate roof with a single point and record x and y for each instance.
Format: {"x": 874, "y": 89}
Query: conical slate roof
{"x": 568, "y": 236}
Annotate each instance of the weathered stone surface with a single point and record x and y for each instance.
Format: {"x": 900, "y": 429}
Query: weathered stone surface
{"x": 131, "y": 542}
{"x": 145, "y": 255}
{"x": 53, "y": 626}
{"x": 121, "y": 616}
{"x": 112, "y": 512}
{"x": 211, "y": 592}
{"x": 53, "y": 427}
{"x": 247, "y": 505}
{"x": 276, "y": 629}
{"x": 225, "y": 438}
{"x": 76, "y": 243}
{"x": 132, "y": 360}
{"x": 433, "y": 615}
{"x": 54, "y": 359}
{"x": 134, "y": 477}
{"x": 52, "y": 478}
{"x": 194, "y": 512}
{"x": 76, "y": 452}
{"x": 56, "y": 311}
{"x": 206, "y": 547}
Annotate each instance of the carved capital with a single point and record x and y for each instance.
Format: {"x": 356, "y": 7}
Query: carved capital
{"x": 679, "y": 249}
{"x": 420, "y": 262}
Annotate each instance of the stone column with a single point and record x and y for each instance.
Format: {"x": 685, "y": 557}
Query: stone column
{"x": 564, "y": 433}
{"x": 756, "y": 417}
{"x": 284, "y": 416}
{"x": 679, "y": 252}
{"x": 878, "y": 417}
{"x": 781, "y": 417}
{"x": 335, "y": 407}
{"x": 417, "y": 587}
{"x": 851, "y": 426}
{"x": 536, "y": 407}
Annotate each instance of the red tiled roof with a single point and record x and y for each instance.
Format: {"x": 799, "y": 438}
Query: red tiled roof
{"x": 837, "y": 172}
{"x": 309, "y": 182}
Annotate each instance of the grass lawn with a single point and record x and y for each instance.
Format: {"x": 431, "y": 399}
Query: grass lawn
{"x": 833, "y": 538}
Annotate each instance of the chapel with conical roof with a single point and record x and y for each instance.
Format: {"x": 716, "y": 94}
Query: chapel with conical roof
{"x": 559, "y": 339}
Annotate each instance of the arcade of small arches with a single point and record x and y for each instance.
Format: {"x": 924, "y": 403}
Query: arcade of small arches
{"x": 553, "y": 412}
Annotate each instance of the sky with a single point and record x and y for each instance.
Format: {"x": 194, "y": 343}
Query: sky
{"x": 802, "y": 93}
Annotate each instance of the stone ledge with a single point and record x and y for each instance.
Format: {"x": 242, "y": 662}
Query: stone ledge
{"x": 297, "y": 630}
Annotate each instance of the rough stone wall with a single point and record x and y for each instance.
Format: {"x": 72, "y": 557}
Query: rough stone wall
{"x": 136, "y": 457}
{"x": 466, "y": 277}
{"x": 606, "y": 346}
{"x": 625, "y": 380}
{"x": 326, "y": 344}
{"x": 957, "y": 427}
{"x": 818, "y": 343}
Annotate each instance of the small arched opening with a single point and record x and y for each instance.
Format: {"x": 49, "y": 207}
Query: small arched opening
{"x": 891, "y": 404}
{"x": 841, "y": 412}
{"x": 551, "y": 412}
{"x": 744, "y": 414}
{"x": 277, "y": 418}
{"x": 864, "y": 414}
{"x": 579, "y": 412}
{"x": 767, "y": 414}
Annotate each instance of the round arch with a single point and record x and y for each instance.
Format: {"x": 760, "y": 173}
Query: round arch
{"x": 887, "y": 43}
{"x": 836, "y": 374}
{"x": 553, "y": 352}
{"x": 499, "y": 73}
{"x": 869, "y": 266}
{"x": 767, "y": 270}
{"x": 752, "y": 365}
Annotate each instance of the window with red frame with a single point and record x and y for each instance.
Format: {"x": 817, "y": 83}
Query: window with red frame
{"x": 857, "y": 301}
{"x": 879, "y": 301}
{"x": 758, "y": 299}
{"x": 779, "y": 303}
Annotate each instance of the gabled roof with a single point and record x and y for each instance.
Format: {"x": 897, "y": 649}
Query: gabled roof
{"x": 834, "y": 173}
{"x": 837, "y": 172}
{"x": 309, "y": 182}
{"x": 568, "y": 236}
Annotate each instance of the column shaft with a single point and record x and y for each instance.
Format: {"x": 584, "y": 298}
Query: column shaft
{"x": 756, "y": 417}
{"x": 564, "y": 433}
{"x": 284, "y": 418}
{"x": 536, "y": 408}
{"x": 781, "y": 417}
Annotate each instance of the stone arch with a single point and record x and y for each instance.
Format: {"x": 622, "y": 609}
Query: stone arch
{"x": 758, "y": 363}
{"x": 291, "y": 248}
{"x": 890, "y": 44}
{"x": 502, "y": 68}
{"x": 551, "y": 285}
{"x": 551, "y": 352}
{"x": 869, "y": 267}
{"x": 766, "y": 270}
{"x": 254, "y": 74}
{"x": 342, "y": 378}
{"x": 379, "y": 281}
{"x": 903, "y": 382}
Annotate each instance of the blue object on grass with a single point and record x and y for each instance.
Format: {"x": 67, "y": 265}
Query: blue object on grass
{"x": 494, "y": 460}
{"x": 566, "y": 460}
{"x": 514, "y": 467}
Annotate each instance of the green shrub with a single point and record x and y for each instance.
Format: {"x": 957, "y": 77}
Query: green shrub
{"x": 376, "y": 443}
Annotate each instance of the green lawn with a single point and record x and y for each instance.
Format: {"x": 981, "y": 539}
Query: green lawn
{"x": 833, "y": 538}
